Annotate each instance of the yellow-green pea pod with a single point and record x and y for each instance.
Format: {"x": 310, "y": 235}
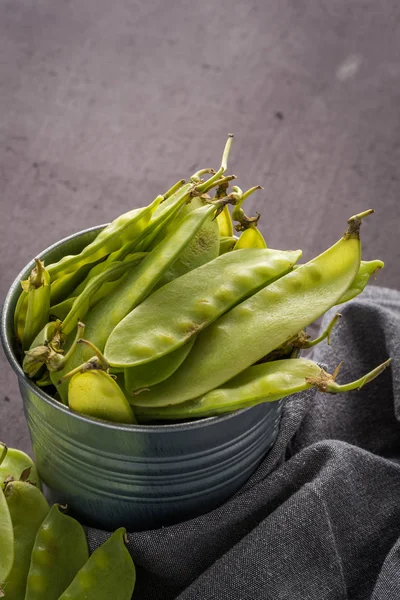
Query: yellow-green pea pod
{"x": 150, "y": 373}
{"x": 28, "y": 509}
{"x": 103, "y": 318}
{"x": 6, "y": 542}
{"x": 266, "y": 320}
{"x": 32, "y": 311}
{"x": 60, "y": 310}
{"x": 60, "y": 551}
{"x": 88, "y": 297}
{"x": 227, "y": 244}
{"x": 111, "y": 238}
{"x": 202, "y": 248}
{"x": 96, "y": 394}
{"x": 365, "y": 272}
{"x": 108, "y": 574}
{"x": 16, "y": 465}
{"x": 266, "y": 382}
{"x": 179, "y": 310}
{"x": 20, "y": 315}
{"x": 64, "y": 285}
{"x": 225, "y": 224}
{"x": 251, "y": 238}
{"x": 35, "y": 359}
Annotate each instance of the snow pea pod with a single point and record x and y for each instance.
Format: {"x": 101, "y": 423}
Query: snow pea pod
{"x": 150, "y": 373}
{"x": 106, "y": 315}
{"x": 32, "y": 313}
{"x": 62, "y": 287}
{"x": 109, "y": 573}
{"x": 226, "y": 244}
{"x": 16, "y": 465}
{"x": 365, "y": 272}
{"x": 267, "y": 382}
{"x": 250, "y": 238}
{"x": 173, "y": 314}
{"x": 263, "y": 322}
{"x": 28, "y": 508}
{"x": 59, "y": 552}
{"x": 7, "y": 541}
{"x": 225, "y": 224}
{"x": 85, "y": 301}
{"x": 111, "y": 238}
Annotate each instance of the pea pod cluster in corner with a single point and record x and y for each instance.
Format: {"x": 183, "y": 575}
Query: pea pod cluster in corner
{"x": 178, "y": 311}
{"x": 44, "y": 552}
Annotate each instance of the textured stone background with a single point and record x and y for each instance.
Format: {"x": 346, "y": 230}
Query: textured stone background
{"x": 105, "y": 104}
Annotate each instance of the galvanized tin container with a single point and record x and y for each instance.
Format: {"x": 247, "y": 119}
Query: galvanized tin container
{"x": 140, "y": 477}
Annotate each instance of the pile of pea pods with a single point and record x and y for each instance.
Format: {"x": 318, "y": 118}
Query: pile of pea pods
{"x": 178, "y": 310}
{"x": 44, "y": 553}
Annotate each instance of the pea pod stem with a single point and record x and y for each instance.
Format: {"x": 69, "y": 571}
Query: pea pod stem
{"x": 224, "y": 165}
{"x": 326, "y": 382}
{"x": 172, "y": 190}
{"x": 325, "y": 334}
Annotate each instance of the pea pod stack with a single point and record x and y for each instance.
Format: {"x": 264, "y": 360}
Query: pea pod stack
{"x": 167, "y": 314}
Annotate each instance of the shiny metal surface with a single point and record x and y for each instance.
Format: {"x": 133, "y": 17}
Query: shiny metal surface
{"x": 140, "y": 477}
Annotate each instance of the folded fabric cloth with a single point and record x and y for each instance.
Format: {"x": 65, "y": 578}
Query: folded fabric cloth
{"x": 320, "y": 518}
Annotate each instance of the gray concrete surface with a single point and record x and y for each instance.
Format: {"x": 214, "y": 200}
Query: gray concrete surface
{"x": 104, "y": 104}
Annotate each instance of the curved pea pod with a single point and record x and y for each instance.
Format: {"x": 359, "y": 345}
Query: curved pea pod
{"x": 150, "y": 373}
{"x": 109, "y": 573}
{"x": 111, "y": 238}
{"x": 365, "y": 272}
{"x": 64, "y": 285}
{"x": 250, "y": 238}
{"x": 104, "y": 317}
{"x": 266, "y": 320}
{"x": 16, "y": 465}
{"x": 96, "y": 394}
{"x": 267, "y": 382}
{"x": 226, "y": 244}
{"x": 202, "y": 248}
{"x": 174, "y": 313}
{"x": 224, "y": 221}
{"x": 59, "y": 552}
{"x": 60, "y": 310}
{"x": 97, "y": 285}
{"x": 28, "y": 508}
{"x": 32, "y": 311}
{"x": 6, "y": 540}
{"x": 37, "y": 354}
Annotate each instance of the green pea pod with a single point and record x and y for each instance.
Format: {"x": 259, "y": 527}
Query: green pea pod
{"x": 266, "y": 382}
{"x": 96, "y": 394}
{"x": 365, "y": 272}
{"x": 226, "y": 244}
{"x": 39, "y": 350}
{"x": 111, "y": 238}
{"x": 64, "y": 285}
{"x": 106, "y": 315}
{"x": 150, "y": 373}
{"x": 251, "y": 238}
{"x": 266, "y": 320}
{"x": 61, "y": 309}
{"x": 173, "y": 314}
{"x": 20, "y": 315}
{"x": 225, "y": 224}
{"x": 109, "y": 573}
{"x": 60, "y": 551}
{"x": 7, "y": 542}
{"x": 32, "y": 312}
{"x": 28, "y": 508}
{"x": 202, "y": 248}
{"x": 86, "y": 299}
{"x": 16, "y": 465}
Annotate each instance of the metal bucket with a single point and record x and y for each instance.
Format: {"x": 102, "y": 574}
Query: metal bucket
{"x": 137, "y": 476}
